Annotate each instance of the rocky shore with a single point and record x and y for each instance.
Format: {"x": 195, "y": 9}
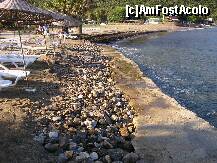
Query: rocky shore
{"x": 89, "y": 103}
{"x": 110, "y": 37}
{"x": 165, "y": 132}
{"x": 77, "y": 112}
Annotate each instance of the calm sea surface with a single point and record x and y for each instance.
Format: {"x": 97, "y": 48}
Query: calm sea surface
{"x": 183, "y": 64}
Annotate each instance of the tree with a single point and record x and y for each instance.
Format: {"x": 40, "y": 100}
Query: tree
{"x": 117, "y": 14}
{"x": 105, "y": 8}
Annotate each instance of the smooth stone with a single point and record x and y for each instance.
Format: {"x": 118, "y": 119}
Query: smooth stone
{"x": 131, "y": 129}
{"x": 124, "y": 131}
{"x": 73, "y": 146}
{"x": 77, "y": 121}
{"x": 107, "y": 159}
{"x": 82, "y": 157}
{"x": 80, "y": 96}
{"x": 63, "y": 142}
{"x": 56, "y": 119}
{"x": 40, "y": 138}
{"x": 80, "y": 149}
{"x": 119, "y": 104}
{"x": 94, "y": 156}
{"x": 114, "y": 117}
{"x": 51, "y": 147}
{"x": 90, "y": 124}
{"x": 62, "y": 158}
{"x": 130, "y": 158}
{"x": 69, "y": 154}
{"x": 72, "y": 130}
{"x": 98, "y": 162}
{"x": 107, "y": 145}
{"x": 116, "y": 154}
{"x": 54, "y": 135}
{"x": 102, "y": 121}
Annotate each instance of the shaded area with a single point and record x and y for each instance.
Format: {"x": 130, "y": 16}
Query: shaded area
{"x": 17, "y": 123}
{"x": 16, "y": 142}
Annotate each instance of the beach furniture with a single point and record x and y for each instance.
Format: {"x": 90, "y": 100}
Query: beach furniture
{"x": 5, "y": 83}
{"x": 13, "y": 74}
{"x": 18, "y": 59}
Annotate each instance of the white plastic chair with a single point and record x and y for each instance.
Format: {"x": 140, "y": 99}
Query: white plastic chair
{"x": 13, "y": 74}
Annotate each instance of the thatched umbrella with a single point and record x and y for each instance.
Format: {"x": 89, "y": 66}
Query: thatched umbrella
{"x": 19, "y": 11}
{"x": 65, "y": 20}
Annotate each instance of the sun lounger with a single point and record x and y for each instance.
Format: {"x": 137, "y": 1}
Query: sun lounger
{"x": 35, "y": 48}
{"x": 13, "y": 74}
{"x": 17, "y": 59}
{"x": 5, "y": 83}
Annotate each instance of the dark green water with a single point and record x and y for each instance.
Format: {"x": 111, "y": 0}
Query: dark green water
{"x": 183, "y": 64}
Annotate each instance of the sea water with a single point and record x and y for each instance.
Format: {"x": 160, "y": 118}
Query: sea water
{"x": 183, "y": 64}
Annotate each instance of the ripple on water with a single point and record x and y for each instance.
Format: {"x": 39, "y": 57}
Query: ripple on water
{"x": 183, "y": 64}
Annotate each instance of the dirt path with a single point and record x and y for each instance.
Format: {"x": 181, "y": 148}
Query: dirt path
{"x": 166, "y": 132}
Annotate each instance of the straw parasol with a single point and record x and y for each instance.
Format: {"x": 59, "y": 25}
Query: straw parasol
{"x": 19, "y": 11}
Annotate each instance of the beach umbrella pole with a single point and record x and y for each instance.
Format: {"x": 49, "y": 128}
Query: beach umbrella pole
{"x": 22, "y": 52}
{"x": 21, "y": 45}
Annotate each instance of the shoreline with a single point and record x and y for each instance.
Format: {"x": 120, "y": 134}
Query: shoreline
{"x": 165, "y": 131}
{"x": 108, "y": 38}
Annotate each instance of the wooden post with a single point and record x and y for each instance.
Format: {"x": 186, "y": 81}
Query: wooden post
{"x": 80, "y": 29}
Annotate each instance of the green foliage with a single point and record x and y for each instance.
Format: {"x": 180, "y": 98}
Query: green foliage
{"x": 117, "y": 14}
{"x": 113, "y": 10}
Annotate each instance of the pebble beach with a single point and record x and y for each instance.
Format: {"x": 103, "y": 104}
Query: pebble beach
{"x": 76, "y": 110}
{"x": 89, "y": 103}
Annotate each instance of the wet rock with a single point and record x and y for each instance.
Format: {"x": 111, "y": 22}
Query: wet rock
{"x": 51, "y": 147}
